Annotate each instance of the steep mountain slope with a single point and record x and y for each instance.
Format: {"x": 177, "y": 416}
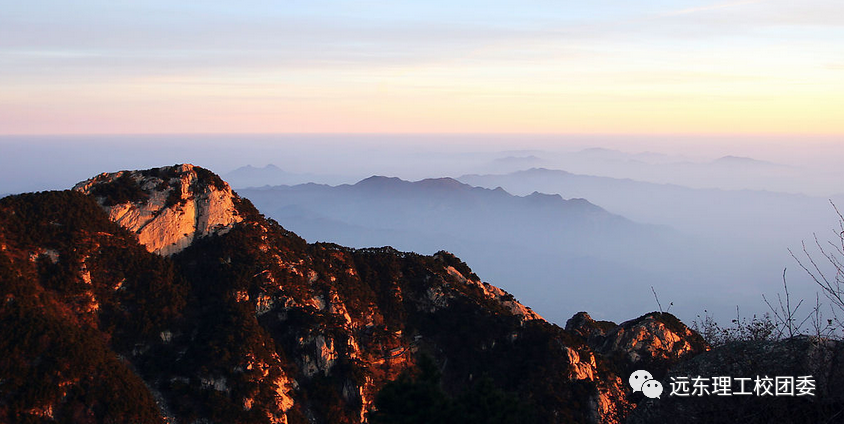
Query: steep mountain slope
{"x": 558, "y": 255}
{"x": 235, "y": 319}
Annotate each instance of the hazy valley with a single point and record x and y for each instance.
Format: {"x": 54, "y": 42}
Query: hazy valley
{"x": 721, "y": 240}
{"x": 161, "y": 295}
{"x": 370, "y": 212}
{"x": 558, "y": 255}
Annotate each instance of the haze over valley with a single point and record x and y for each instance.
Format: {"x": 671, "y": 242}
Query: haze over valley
{"x": 384, "y": 212}
{"x": 708, "y": 229}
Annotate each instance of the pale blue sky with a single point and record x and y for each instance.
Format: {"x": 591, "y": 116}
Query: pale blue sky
{"x": 68, "y": 67}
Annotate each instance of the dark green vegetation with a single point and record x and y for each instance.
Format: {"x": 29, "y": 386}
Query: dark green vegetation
{"x": 421, "y": 399}
{"x": 123, "y": 189}
{"x": 794, "y": 357}
{"x": 55, "y": 361}
{"x": 258, "y": 326}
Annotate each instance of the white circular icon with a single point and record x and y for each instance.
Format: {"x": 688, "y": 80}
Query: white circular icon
{"x": 652, "y": 389}
{"x": 638, "y": 378}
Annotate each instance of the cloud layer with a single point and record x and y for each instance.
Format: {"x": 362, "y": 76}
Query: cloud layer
{"x": 324, "y": 66}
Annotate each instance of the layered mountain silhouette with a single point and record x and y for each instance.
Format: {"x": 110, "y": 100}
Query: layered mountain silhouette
{"x": 742, "y": 236}
{"x": 731, "y": 172}
{"x": 162, "y": 296}
{"x": 558, "y": 255}
{"x": 700, "y": 211}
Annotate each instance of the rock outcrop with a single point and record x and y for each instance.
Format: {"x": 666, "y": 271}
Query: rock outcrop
{"x": 820, "y": 360}
{"x": 654, "y": 341}
{"x": 166, "y": 207}
{"x": 236, "y": 319}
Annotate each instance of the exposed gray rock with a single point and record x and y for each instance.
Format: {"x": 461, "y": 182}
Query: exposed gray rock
{"x": 178, "y": 206}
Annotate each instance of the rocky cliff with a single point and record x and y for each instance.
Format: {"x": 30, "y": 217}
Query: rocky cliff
{"x": 234, "y": 319}
{"x": 166, "y": 207}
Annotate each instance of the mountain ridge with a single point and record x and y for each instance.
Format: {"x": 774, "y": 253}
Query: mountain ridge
{"x": 166, "y": 207}
{"x": 253, "y": 324}
{"x": 537, "y": 246}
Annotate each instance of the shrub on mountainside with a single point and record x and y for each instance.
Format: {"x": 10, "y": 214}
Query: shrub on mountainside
{"x": 54, "y": 367}
{"x": 121, "y": 190}
{"x": 419, "y": 398}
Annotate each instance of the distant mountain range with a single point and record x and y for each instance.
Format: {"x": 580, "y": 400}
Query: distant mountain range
{"x": 731, "y": 172}
{"x": 748, "y": 231}
{"x": 745, "y": 162}
{"x": 675, "y": 239}
{"x": 161, "y": 296}
{"x": 692, "y": 210}
{"x": 556, "y": 254}
{"x": 612, "y": 155}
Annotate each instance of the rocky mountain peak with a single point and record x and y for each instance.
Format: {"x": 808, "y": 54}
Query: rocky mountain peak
{"x": 167, "y": 207}
{"x": 251, "y": 324}
{"x": 583, "y": 325}
{"x": 654, "y": 341}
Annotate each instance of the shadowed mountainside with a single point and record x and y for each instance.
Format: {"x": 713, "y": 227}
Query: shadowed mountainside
{"x": 249, "y": 323}
{"x": 558, "y": 255}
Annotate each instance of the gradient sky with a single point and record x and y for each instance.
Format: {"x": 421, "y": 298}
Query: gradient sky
{"x": 528, "y": 66}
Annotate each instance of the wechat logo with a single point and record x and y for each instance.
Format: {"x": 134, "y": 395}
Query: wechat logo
{"x": 643, "y": 381}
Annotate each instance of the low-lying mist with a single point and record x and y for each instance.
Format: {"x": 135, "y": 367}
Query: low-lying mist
{"x": 706, "y": 221}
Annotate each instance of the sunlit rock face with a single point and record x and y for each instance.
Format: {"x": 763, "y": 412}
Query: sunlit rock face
{"x": 249, "y": 323}
{"x": 494, "y": 293}
{"x": 166, "y": 207}
{"x": 654, "y": 341}
{"x": 814, "y": 357}
{"x": 653, "y": 337}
